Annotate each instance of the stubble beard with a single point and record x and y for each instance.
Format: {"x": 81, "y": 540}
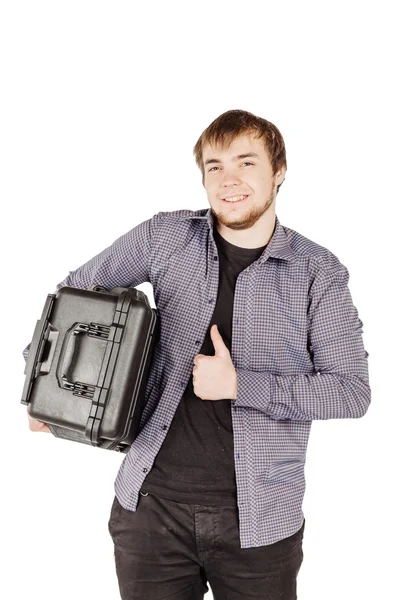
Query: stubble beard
{"x": 246, "y": 219}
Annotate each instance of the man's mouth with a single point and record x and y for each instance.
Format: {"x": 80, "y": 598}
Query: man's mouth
{"x": 235, "y": 199}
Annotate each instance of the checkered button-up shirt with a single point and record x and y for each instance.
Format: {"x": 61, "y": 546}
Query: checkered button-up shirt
{"x": 296, "y": 345}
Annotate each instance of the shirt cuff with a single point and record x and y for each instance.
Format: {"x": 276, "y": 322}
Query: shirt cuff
{"x": 253, "y": 389}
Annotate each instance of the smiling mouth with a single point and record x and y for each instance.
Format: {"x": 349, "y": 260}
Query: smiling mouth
{"x": 236, "y": 201}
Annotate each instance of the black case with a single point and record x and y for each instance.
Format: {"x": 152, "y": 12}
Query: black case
{"x": 88, "y": 365}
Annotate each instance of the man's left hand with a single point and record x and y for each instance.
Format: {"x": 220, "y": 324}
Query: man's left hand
{"x": 215, "y": 377}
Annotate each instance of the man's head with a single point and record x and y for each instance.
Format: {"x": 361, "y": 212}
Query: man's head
{"x": 225, "y": 155}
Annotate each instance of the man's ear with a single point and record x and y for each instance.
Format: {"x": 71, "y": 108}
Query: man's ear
{"x": 280, "y": 176}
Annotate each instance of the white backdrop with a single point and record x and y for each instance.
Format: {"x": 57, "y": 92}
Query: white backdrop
{"x": 101, "y": 105}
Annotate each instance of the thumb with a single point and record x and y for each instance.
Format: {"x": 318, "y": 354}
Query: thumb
{"x": 218, "y": 342}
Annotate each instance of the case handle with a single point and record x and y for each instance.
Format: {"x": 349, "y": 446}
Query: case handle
{"x": 93, "y": 330}
{"x": 69, "y": 353}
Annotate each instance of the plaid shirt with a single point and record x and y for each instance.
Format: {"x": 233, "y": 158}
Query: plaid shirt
{"x": 296, "y": 345}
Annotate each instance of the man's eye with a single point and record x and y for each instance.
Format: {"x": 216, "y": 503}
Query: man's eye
{"x": 245, "y": 163}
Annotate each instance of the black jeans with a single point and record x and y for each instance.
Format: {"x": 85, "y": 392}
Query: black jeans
{"x": 170, "y": 550}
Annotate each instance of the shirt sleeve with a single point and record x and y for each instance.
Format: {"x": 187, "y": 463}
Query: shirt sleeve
{"x": 339, "y": 387}
{"x": 126, "y": 263}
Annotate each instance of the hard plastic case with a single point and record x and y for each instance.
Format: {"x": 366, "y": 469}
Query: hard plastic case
{"x": 88, "y": 365}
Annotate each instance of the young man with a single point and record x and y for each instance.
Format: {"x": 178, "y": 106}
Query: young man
{"x": 258, "y": 337}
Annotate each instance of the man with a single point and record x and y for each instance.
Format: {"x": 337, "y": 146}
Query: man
{"x": 258, "y": 337}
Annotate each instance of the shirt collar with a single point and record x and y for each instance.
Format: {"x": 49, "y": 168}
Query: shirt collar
{"x": 277, "y": 247}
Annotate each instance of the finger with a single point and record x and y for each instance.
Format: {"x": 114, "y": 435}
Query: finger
{"x": 45, "y": 428}
{"x": 35, "y": 425}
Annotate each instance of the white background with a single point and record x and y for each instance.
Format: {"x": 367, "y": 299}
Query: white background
{"x": 101, "y": 105}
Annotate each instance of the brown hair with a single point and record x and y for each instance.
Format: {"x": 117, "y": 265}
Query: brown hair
{"x": 225, "y": 128}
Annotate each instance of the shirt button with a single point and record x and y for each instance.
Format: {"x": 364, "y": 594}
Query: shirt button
{"x": 211, "y": 300}
{"x": 215, "y": 257}
{"x": 145, "y": 470}
{"x": 197, "y": 342}
{"x": 164, "y": 427}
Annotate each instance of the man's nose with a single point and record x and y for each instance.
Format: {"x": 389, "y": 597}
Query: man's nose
{"x": 230, "y": 178}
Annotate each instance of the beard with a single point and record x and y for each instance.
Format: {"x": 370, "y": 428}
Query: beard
{"x": 244, "y": 218}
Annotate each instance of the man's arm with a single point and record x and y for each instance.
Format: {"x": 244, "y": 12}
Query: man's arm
{"x": 339, "y": 388}
{"x": 125, "y": 263}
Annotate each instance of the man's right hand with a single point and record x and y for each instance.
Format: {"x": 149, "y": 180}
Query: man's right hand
{"x": 35, "y": 425}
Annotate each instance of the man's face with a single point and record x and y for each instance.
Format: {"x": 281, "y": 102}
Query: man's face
{"x": 232, "y": 175}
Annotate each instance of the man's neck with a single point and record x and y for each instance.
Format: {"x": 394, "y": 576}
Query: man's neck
{"x": 255, "y": 237}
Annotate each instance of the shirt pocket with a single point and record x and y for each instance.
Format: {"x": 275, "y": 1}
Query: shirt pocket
{"x": 286, "y": 470}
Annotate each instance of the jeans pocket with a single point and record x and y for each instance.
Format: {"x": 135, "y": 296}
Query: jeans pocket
{"x": 111, "y": 520}
{"x": 292, "y": 549}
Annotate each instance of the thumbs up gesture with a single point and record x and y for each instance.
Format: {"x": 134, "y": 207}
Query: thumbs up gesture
{"x": 215, "y": 377}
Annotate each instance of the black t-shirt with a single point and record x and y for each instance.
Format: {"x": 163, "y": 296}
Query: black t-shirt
{"x": 195, "y": 463}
